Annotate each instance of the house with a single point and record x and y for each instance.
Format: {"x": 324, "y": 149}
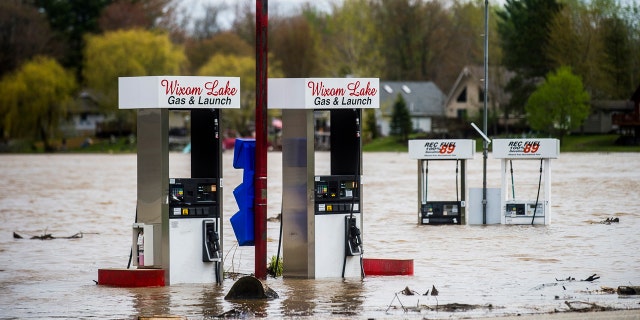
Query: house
{"x": 628, "y": 122}
{"x": 84, "y": 118}
{"x": 424, "y": 100}
{"x": 603, "y": 113}
{"x": 466, "y": 97}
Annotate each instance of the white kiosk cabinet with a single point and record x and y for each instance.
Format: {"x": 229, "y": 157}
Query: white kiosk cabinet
{"x": 179, "y": 220}
{"x": 535, "y": 206}
{"x": 441, "y": 212}
{"x": 322, "y": 215}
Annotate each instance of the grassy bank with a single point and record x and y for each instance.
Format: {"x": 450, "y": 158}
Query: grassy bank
{"x": 574, "y": 143}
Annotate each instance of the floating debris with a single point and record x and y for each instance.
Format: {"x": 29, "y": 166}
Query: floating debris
{"x": 453, "y": 307}
{"x": 407, "y": 292}
{"x": 610, "y": 220}
{"x": 49, "y": 236}
{"x": 392, "y": 300}
{"x": 582, "y": 306}
{"x": 233, "y": 313}
{"x": 592, "y": 278}
{"x": 569, "y": 278}
{"x": 628, "y": 290}
{"x": 602, "y": 290}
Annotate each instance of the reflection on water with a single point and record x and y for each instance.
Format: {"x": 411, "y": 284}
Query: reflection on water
{"x": 498, "y": 269}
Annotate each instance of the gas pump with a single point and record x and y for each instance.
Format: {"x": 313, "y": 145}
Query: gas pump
{"x": 179, "y": 220}
{"x": 449, "y": 211}
{"x": 322, "y": 214}
{"x": 523, "y": 210}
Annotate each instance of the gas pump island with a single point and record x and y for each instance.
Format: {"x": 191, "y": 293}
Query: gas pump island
{"x": 178, "y": 220}
{"x": 322, "y": 215}
{"x": 527, "y": 211}
{"x": 458, "y": 150}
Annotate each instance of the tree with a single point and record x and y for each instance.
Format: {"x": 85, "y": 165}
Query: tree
{"x": 523, "y": 26}
{"x": 401, "y": 124}
{"x": 24, "y": 34}
{"x": 371, "y": 124}
{"x": 209, "y": 25}
{"x": 355, "y": 41}
{"x": 125, "y": 54}
{"x": 618, "y": 52}
{"x": 416, "y": 41}
{"x": 34, "y": 99}
{"x": 244, "y": 67}
{"x": 296, "y": 46}
{"x": 227, "y": 43}
{"x": 72, "y": 19}
{"x": 558, "y": 105}
{"x": 124, "y": 14}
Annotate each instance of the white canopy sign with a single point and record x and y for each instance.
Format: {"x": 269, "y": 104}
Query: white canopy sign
{"x": 178, "y": 92}
{"x": 449, "y": 149}
{"x": 526, "y": 148}
{"x": 323, "y": 93}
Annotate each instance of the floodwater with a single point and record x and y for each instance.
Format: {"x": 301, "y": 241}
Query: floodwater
{"x": 493, "y": 270}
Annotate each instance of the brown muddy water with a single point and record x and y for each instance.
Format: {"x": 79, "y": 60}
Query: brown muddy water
{"x": 486, "y": 271}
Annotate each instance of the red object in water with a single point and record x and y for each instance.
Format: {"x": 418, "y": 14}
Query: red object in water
{"x": 228, "y": 143}
{"x": 387, "y": 267}
{"x": 128, "y": 278}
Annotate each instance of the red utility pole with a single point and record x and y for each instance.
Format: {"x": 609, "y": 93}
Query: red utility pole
{"x": 260, "y": 202}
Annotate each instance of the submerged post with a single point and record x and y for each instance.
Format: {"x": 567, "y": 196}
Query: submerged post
{"x": 485, "y": 144}
{"x": 260, "y": 204}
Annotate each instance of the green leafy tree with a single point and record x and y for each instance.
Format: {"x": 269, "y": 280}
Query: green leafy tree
{"x": 371, "y": 124}
{"x": 34, "y": 99}
{"x": 559, "y": 105}
{"x": 356, "y": 41}
{"x": 73, "y": 20}
{"x": 125, "y": 54}
{"x": 523, "y": 26}
{"x": 227, "y": 43}
{"x": 400, "y": 124}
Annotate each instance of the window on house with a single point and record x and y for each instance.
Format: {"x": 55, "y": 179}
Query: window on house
{"x": 462, "y": 97}
{"x": 462, "y": 114}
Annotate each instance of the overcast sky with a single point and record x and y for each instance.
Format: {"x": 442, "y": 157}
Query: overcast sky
{"x": 276, "y": 7}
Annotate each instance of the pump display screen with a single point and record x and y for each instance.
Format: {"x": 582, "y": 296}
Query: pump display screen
{"x": 336, "y": 194}
{"x": 206, "y": 192}
{"x": 441, "y": 212}
{"x": 193, "y": 198}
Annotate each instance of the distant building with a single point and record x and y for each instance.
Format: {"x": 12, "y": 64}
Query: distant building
{"x": 628, "y": 122}
{"x": 466, "y": 97}
{"x": 424, "y": 100}
{"x": 603, "y": 113}
{"x": 84, "y": 117}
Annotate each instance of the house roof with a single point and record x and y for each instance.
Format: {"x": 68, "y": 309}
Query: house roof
{"x": 612, "y": 105}
{"x": 498, "y": 79}
{"x": 423, "y": 98}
